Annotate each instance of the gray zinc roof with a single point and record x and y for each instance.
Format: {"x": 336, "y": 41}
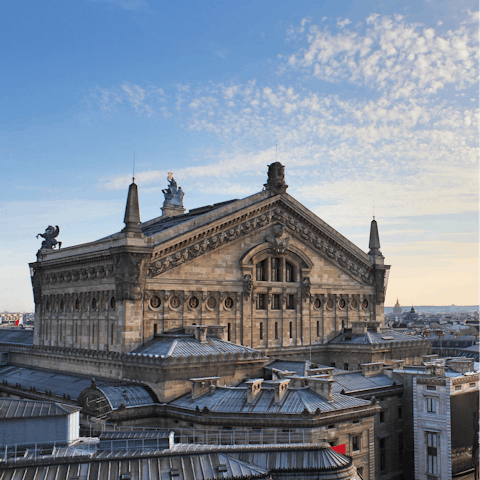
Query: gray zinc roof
{"x": 160, "y": 224}
{"x": 351, "y": 382}
{"x": 371, "y": 338}
{"x": 17, "y": 408}
{"x": 16, "y": 335}
{"x": 203, "y": 466}
{"x": 128, "y": 395}
{"x": 295, "y": 401}
{"x": 60, "y": 384}
{"x": 187, "y": 345}
{"x": 200, "y": 463}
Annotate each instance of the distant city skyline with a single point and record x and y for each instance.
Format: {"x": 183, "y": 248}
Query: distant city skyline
{"x": 373, "y": 106}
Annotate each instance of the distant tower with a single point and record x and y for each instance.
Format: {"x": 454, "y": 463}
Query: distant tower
{"x": 397, "y": 310}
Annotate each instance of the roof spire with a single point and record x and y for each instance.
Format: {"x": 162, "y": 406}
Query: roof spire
{"x": 132, "y": 211}
{"x": 374, "y": 243}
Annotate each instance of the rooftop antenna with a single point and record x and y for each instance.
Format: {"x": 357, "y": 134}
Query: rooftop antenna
{"x": 133, "y": 167}
{"x": 374, "y": 209}
{"x": 276, "y": 151}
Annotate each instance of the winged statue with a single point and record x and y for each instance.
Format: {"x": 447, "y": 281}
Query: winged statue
{"x": 49, "y": 236}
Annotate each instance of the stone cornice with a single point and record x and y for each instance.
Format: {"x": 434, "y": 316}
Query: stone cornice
{"x": 255, "y": 356}
{"x": 279, "y": 420}
{"x": 187, "y": 247}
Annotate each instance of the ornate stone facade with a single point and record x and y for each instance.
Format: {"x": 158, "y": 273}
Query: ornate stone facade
{"x": 277, "y": 276}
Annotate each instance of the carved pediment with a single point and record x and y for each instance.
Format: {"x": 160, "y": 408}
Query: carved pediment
{"x": 285, "y": 223}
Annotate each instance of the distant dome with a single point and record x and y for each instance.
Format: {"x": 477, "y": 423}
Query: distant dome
{"x": 412, "y": 315}
{"x": 397, "y": 309}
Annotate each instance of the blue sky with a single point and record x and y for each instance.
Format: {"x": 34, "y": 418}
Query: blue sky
{"x": 369, "y": 102}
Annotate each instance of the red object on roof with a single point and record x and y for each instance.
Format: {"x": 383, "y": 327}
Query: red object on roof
{"x": 340, "y": 448}
{"x": 17, "y": 322}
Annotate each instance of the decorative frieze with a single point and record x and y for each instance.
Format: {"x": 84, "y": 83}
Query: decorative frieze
{"x": 277, "y": 239}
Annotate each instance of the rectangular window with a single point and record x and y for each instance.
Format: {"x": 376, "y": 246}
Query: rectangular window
{"x": 290, "y": 302}
{"x": 431, "y": 387}
{"x": 276, "y": 330}
{"x": 383, "y": 454}
{"x": 432, "y": 467}
{"x": 155, "y": 327}
{"x": 332, "y": 364}
{"x": 111, "y": 334}
{"x": 382, "y": 417}
{"x": 261, "y": 331}
{"x": 276, "y": 270}
{"x": 400, "y": 413}
{"x": 291, "y": 329}
{"x": 458, "y": 387}
{"x": 318, "y": 329}
{"x": 431, "y": 405}
{"x": 345, "y": 366}
{"x": 276, "y": 302}
{"x": 261, "y": 270}
{"x": 76, "y": 334}
{"x": 472, "y": 385}
{"x": 289, "y": 272}
{"x": 93, "y": 333}
{"x": 229, "y": 332}
{"x": 356, "y": 443}
{"x": 360, "y": 471}
{"x": 261, "y": 301}
{"x": 400, "y": 449}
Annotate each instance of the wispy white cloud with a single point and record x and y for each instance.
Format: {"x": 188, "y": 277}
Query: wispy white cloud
{"x": 389, "y": 55}
{"x": 414, "y": 155}
{"x": 147, "y": 101}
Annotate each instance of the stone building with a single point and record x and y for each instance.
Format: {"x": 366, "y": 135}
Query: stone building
{"x": 440, "y": 406}
{"x": 271, "y": 272}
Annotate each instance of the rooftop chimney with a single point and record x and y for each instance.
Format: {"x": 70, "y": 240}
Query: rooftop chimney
{"x": 203, "y": 385}
{"x": 322, "y": 386}
{"x": 371, "y": 369}
{"x": 281, "y": 387}
{"x": 254, "y": 387}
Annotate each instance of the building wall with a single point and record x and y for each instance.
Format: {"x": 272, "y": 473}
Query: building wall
{"x": 435, "y": 423}
{"x": 54, "y": 429}
{"x": 99, "y": 297}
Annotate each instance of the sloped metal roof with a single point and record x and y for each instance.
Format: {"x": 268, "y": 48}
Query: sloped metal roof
{"x": 200, "y": 463}
{"x": 295, "y": 400}
{"x": 60, "y": 383}
{"x": 204, "y": 466}
{"x": 135, "y": 435}
{"x": 16, "y": 408}
{"x": 371, "y": 338}
{"x": 187, "y": 345}
{"x": 128, "y": 395}
{"x": 161, "y": 224}
{"x": 16, "y": 335}
{"x": 354, "y": 381}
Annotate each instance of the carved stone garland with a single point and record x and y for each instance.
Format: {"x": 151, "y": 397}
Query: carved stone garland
{"x": 286, "y": 222}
